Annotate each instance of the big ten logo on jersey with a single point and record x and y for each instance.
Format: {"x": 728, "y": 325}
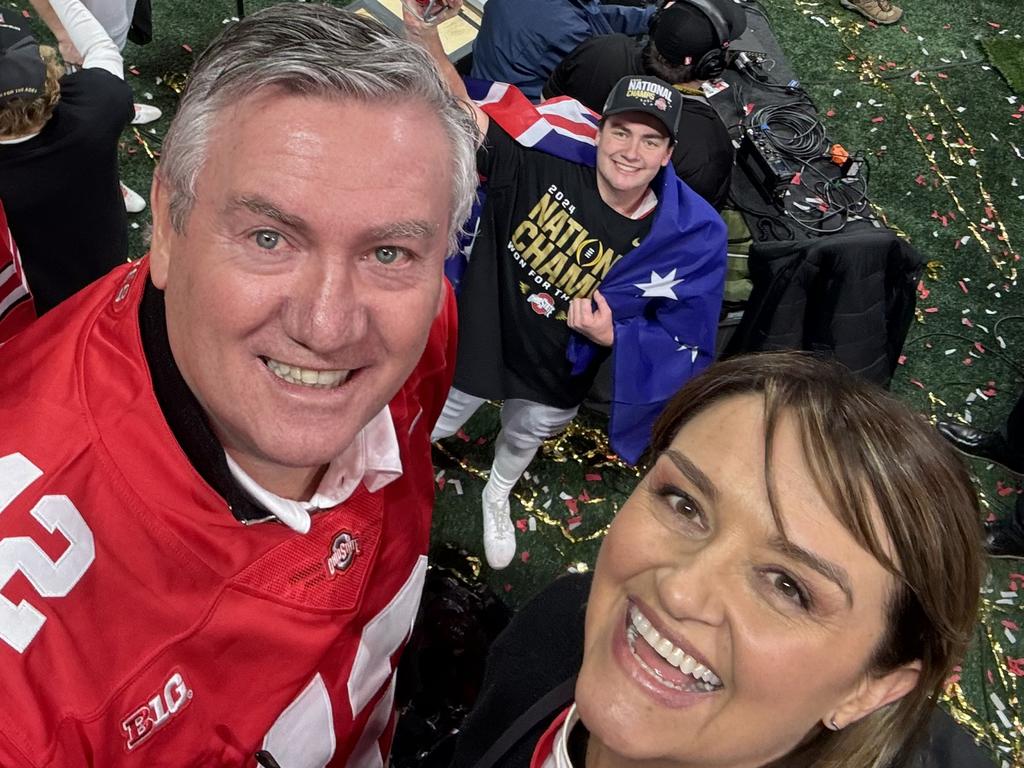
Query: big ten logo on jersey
{"x": 49, "y": 577}
{"x": 558, "y": 253}
{"x": 141, "y": 724}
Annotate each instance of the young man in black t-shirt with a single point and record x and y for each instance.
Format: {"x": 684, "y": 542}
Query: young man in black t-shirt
{"x": 549, "y": 233}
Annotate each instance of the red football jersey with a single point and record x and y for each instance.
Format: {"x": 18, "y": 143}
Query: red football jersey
{"x": 140, "y": 623}
{"x": 16, "y": 307}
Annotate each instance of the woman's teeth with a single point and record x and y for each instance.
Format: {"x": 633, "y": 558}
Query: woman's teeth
{"x": 639, "y": 626}
{"x": 307, "y": 377}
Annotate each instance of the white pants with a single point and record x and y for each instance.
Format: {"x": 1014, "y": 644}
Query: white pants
{"x": 524, "y": 426}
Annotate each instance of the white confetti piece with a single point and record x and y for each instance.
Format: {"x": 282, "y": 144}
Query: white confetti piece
{"x": 1005, "y": 719}
{"x": 997, "y": 701}
{"x": 457, "y": 484}
{"x": 531, "y": 523}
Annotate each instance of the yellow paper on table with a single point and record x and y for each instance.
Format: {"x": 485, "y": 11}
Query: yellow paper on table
{"x": 455, "y": 33}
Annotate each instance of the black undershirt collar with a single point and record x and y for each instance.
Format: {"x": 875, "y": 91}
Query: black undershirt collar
{"x": 183, "y": 413}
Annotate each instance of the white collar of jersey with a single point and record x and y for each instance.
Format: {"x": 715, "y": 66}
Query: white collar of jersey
{"x": 648, "y": 204}
{"x": 559, "y": 757}
{"x": 373, "y": 459}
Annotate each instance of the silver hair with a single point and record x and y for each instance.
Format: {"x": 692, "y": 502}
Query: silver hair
{"x": 311, "y": 50}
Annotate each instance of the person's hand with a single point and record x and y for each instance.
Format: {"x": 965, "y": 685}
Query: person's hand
{"x": 595, "y": 324}
{"x": 416, "y": 26}
{"x": 68, "y": 52}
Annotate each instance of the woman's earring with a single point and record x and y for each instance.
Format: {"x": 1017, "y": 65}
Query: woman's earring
{"x": 833, "y": 725}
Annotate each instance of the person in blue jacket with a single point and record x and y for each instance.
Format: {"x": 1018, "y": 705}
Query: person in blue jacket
{"x": 522, "y": 41}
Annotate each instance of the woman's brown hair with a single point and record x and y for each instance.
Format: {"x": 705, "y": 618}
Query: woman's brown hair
{"x": 21, "y": 117}
{"x": 866, "y": 449}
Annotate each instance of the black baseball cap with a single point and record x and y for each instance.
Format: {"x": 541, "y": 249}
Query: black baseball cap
{"x": 22, "y": 71}
{"x": 651, "y": 95}
{"x": 685, "y": 30}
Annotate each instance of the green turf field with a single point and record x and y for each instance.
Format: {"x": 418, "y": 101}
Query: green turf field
{"x": 936, "y": 102}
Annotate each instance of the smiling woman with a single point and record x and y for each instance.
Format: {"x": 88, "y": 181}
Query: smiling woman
{"x": 790, "y": 584}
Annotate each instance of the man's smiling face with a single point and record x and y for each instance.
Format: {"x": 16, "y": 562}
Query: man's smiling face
{"x": 301, "y": 292}
{"x": 631, "y": 148}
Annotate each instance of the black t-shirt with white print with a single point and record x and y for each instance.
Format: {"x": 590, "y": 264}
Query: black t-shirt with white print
{"x": 545, "y": 237}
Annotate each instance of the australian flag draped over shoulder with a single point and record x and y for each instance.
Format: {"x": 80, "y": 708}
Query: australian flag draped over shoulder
{"x": 665, "y": 294}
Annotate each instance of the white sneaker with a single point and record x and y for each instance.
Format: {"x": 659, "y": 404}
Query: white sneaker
{"x": 146, "y": 113}
{"x": 499, "y": 533}
{"x": 133, "y": 201}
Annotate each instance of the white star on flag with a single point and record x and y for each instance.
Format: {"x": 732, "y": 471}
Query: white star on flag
{"x": 660, "y": 286}
{"x": 694, "y": 351}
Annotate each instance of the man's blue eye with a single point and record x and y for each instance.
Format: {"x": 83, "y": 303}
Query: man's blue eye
{"x": 267, "y": 239}
{"x": 388, "y": 254}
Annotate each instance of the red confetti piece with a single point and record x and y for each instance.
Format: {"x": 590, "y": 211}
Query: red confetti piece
{"x": 1017, "y": 576}
{"x": 584, "y": 496}
{"x": 26, "y": 14}
{"x": 994, "y": 25}
{"x": 524, "y": 556}
{"x": 920, "y": 180}
{"x": 522, "y": 525}
{"x": 574, "y": 522}
{"x": 134, "y": 70}
{"x": 968, "y": 361}
{"x": 796, "y": 178}
{"x": 991, "y": 679}
{"x": 508, "y": 587}
{"x": 917, "y": 383}
{"x": 980, "y": 347}
{"x": 1015, "y": 666}
{"x": 902, "y": 360}
{"x": 878, "y": 119}
{"x": 943, "y": 76}
{"x": 966, "y": 321}
{"x": 571, "y": 504}
{"x": 187, "y": 47}
{"x": 929, "y": 136}
{"x": 461, "y": 434}
{"x": 904, "y": 30}
{"x": 830, "y": 113}
{"x": 1003, "y": 489}
{"x": 963, "y": 287}
{"x": 593, "y": 477}
{"x": 1010, "y": 625}
{"x": 931, "y": 310}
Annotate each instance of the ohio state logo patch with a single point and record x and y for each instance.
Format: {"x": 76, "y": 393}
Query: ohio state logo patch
{"x": 140, "y": 725}
{"x": 344, "y": 549}
{"x": 541, "y": 303}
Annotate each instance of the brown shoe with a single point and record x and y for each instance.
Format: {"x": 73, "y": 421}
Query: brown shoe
{"x": 879, "y": 11}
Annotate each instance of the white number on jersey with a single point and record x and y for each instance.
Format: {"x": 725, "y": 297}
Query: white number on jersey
{"x": 19, "y": 624}
{"x": 303, "y": 735}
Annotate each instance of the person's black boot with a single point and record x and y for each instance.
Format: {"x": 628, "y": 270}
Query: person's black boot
{"x": 991, "y": 446}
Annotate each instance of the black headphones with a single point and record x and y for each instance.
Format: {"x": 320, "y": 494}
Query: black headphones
{"x": 712, "y": 63}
